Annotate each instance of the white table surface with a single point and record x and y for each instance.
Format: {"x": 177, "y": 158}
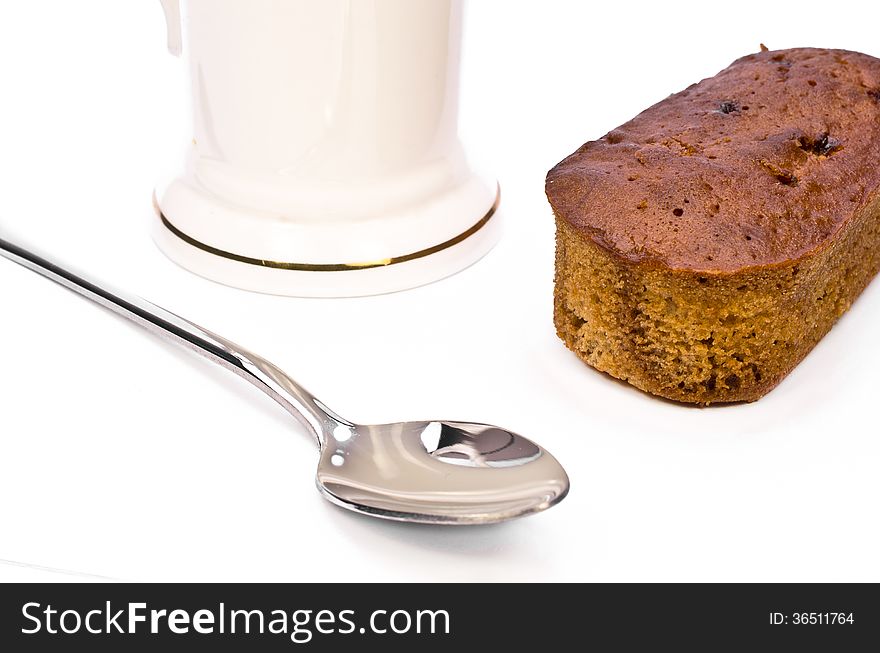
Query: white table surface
{"x": 123, "y": 457}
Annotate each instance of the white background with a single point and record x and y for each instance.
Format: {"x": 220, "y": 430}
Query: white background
{"x": 123, "y": 457}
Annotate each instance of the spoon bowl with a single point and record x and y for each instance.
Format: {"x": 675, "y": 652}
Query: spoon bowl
{"x": 438, "y": 472}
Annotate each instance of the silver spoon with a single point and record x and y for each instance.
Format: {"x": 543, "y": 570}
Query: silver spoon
{"x": 435, "y": 472}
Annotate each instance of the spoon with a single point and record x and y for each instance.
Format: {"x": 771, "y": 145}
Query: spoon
{"x": 435, "y": 472}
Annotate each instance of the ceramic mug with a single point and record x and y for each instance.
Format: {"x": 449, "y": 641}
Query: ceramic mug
{"x": 325, "y": 158}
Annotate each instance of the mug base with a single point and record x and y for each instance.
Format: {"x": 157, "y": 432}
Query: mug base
{"x": 385, "y": 262}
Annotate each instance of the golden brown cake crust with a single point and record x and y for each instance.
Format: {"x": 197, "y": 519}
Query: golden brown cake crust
{"x": 706, "y": 246}
{"x": 757, "y": 165}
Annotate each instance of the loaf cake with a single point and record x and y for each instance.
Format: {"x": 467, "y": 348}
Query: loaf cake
{"x": 707, "y": 245}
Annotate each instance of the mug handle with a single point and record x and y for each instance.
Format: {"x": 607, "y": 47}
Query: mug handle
{"x": 172, "y": 21}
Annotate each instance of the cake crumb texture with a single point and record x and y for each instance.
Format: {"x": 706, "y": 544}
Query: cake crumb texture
{"x": 707, "y": 245}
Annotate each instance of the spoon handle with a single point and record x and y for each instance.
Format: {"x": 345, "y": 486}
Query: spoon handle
{"x": 163, "y": 323}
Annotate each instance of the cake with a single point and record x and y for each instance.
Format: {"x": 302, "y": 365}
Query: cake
{"x": 704, "y": 247}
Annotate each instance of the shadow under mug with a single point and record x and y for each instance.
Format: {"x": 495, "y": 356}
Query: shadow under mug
{"x": 325, "y": 158}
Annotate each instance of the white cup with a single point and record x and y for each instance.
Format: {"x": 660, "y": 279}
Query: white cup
{"x": 325, "y": 158}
